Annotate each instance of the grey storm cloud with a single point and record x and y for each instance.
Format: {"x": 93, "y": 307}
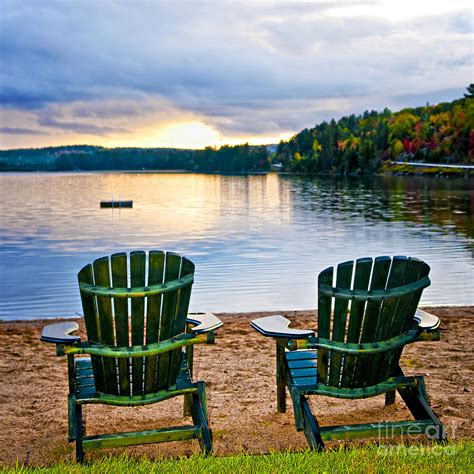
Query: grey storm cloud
{"x": 246, "y": 67}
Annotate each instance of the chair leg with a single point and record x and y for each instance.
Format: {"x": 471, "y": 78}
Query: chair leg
{"x": 297, "y": 408}
{"x": 280, "y": 377}
{"x": 416, "y": 399}
{"x": 188, "y": 401}
{"x": 199, "y": 414}
{"x": 311, "y": 427}
{"x": 79, "y": 433}
{"x": 71, "y": 417}
{"x": 390, "y": 398}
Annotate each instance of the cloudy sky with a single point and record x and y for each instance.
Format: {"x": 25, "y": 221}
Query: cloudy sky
{"x": 190, "y": 74}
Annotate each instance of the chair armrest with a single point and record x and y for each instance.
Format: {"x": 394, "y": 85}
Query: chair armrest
{"x": 277, "y": 326}
{"x": 60, "y": 333}
{"x": 205, "y": 322}
{"x": 426, "y": 321}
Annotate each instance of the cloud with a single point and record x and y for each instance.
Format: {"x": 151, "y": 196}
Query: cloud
{"x": 83, "y": 128}
{"x": 20, "y": 131}
{"x": 245, "y": 68}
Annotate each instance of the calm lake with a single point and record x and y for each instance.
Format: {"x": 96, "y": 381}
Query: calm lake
{"x": 258, "y": 242}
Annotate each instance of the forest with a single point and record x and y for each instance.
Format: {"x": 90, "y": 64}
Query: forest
{"x": 361, "y": 144}
{"x": 352, "y": 145}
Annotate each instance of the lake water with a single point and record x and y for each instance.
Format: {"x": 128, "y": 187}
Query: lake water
{"x": 258, "y": 241}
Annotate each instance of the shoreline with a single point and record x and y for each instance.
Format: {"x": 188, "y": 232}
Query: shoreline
{"x": 239, "y": 373}
{"x": 53, "y": 319}
{"x": 386, "y": 170}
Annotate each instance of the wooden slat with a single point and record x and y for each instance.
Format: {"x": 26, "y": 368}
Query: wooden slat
{"x": 379, "y": 430}
{"x": 89, "y": 308}
{"x": 405, "y": 311}
{"x": 306, "y": 372}
{"x": 85, "y": 382}
{"x": 172, "y": 267}
{"x": 137, "y": 278}
{"x": 156, "y": 267}
{"x": 83, "y": 363}
{"x": 85, "y": 374}
{"x": 86, "y": 392}
{"x": 416, "y": 270}
{"x": 302, "y": 364}
{"x": 343, "y": 280}
{"x": 142, "y": 437}
{"x": 301, "y": 382}
{"x": 392, "y": 312}
{"x": 118, "y": 264}
{"x": 363, "y": 268}
{"x": 106, "y": 323}
{"x": 180, "y": 316}
{"x": 378, "y": 281}
{"x": 300, "y": 355}
{"x": 372, "y": 313}
{"x": 392, "y": 309}
{"x": 324, "y": 321}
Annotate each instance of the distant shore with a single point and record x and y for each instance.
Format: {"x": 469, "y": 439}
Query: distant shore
{"x": 402, "y": 170}
{"x": 239, "y": 371}
{"x": 387, "y": 170}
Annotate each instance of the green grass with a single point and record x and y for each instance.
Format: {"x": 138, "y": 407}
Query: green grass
{"x": 425, "y": 170}
{"x": 442, "y": 458}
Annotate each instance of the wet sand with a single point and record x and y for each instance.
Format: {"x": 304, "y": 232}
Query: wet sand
{"x": 239, "y": 371}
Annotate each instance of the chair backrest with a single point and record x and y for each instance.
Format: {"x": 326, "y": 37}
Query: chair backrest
{"x": 131, "y": 300}
{"x": 366, "y": 301}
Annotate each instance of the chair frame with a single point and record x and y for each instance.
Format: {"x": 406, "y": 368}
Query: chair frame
{"x": 296, "y": 356}
{"x": 199, "y": 329}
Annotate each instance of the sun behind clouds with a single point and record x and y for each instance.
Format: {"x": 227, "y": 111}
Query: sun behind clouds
{"x": 190, "y": 134}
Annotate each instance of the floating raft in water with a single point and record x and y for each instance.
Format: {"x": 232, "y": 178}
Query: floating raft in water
{"x": 119, "y": 204}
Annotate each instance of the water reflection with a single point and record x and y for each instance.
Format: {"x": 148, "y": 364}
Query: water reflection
{"x": 258, "y": 241}
{"x": 445, "y": 203}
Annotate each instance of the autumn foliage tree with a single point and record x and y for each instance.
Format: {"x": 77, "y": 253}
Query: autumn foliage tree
{"x": 360, "y": 144}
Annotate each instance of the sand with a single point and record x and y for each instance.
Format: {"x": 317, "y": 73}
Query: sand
{"x": 239, "y": 371}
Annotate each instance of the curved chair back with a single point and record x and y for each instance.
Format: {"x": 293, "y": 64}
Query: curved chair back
{"x": 135, "y": 300}
{"x": 366, "y": 301}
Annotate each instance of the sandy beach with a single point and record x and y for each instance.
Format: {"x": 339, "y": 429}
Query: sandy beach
{"x": 239, "y": 372}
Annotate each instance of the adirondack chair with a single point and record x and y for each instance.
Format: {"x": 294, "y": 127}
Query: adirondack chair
{"x": 139, "y": 345}
{"x": 364, "y": 321}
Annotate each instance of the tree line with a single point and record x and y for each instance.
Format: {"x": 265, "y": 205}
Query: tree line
{"x": 356, "y": 144}
{"x": 226, "y": 159}
{"x": 359, "y": 144}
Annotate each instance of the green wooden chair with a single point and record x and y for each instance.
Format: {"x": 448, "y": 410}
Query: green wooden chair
{"x": 139, "y": 345}
{"x": 367, "y": 313}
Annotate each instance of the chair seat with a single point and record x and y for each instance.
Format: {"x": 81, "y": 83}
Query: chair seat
{"x": 303, "y": 368}
{"x": 302, "y": 376}
{"x": 86, "y": 391}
